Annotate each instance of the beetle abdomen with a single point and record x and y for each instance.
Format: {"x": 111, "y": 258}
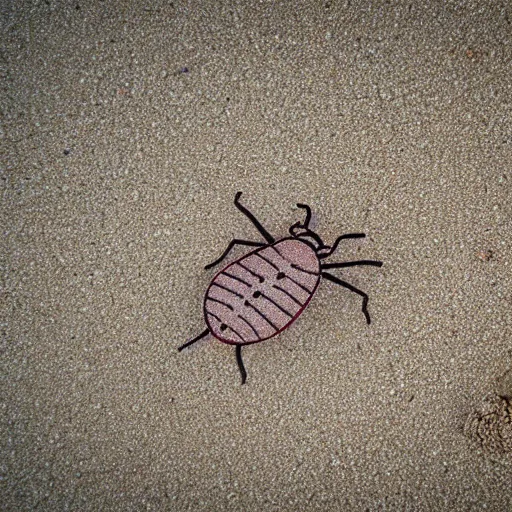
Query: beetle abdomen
{"x": 262, "y": 293}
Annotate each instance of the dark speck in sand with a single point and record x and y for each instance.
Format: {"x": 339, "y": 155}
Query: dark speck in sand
{"x": 184, "y": 70}
{"x": 67, "y": 151}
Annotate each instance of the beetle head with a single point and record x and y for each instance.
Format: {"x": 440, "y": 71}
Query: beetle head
{"x": 301, "y": 231}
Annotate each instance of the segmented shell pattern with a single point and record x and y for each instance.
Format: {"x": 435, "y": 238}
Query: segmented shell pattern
{"x": 262, "y": 293}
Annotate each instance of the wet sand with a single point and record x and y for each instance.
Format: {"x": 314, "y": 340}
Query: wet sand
{"x": 128, "y": 128}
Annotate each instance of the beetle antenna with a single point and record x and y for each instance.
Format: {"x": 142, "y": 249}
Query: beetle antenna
{"x": 308, "y": 215}
{"x": 307, "y": 232}
{"x": 293, "y": 227}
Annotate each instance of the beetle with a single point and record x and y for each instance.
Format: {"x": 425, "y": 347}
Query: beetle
{"x": 262, "y": 293}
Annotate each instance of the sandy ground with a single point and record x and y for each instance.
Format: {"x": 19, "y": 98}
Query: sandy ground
{"x": 127, "y": 129}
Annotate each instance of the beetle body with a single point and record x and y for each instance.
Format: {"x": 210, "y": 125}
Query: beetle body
{"x": 264, "y": 292}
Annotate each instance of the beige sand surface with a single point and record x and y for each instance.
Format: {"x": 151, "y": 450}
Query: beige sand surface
{"x": 127, "y": 129}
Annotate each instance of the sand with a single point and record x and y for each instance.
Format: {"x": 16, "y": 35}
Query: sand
{"x": 128, "y": 128}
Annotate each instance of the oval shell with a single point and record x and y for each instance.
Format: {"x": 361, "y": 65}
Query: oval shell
{"x": 262, "y": 293}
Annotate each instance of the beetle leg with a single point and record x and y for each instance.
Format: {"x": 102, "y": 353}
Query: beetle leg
{"x": 334, "y": 279}
{"x": 266, "y": 235}
{"x": 230, "y": 246}
{"x": 345, "y": 264}
{"x": 197, "y": 338}
{"x": 338, "y": 240}
{"x": 240, "y": 363}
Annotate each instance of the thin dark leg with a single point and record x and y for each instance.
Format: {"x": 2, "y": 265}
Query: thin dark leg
{"x": 352, "y": 289}
{"x": 230, "y": 246}
{"x": 345, "y": 264}
{"x": 240, "y": 363}
{"x": 266, "y": 235}
{"x": 338, "y": 240}
{"x": 197, "y": 338}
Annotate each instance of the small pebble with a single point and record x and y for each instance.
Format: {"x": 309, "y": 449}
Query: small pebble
{"x": 485, "y": 255}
